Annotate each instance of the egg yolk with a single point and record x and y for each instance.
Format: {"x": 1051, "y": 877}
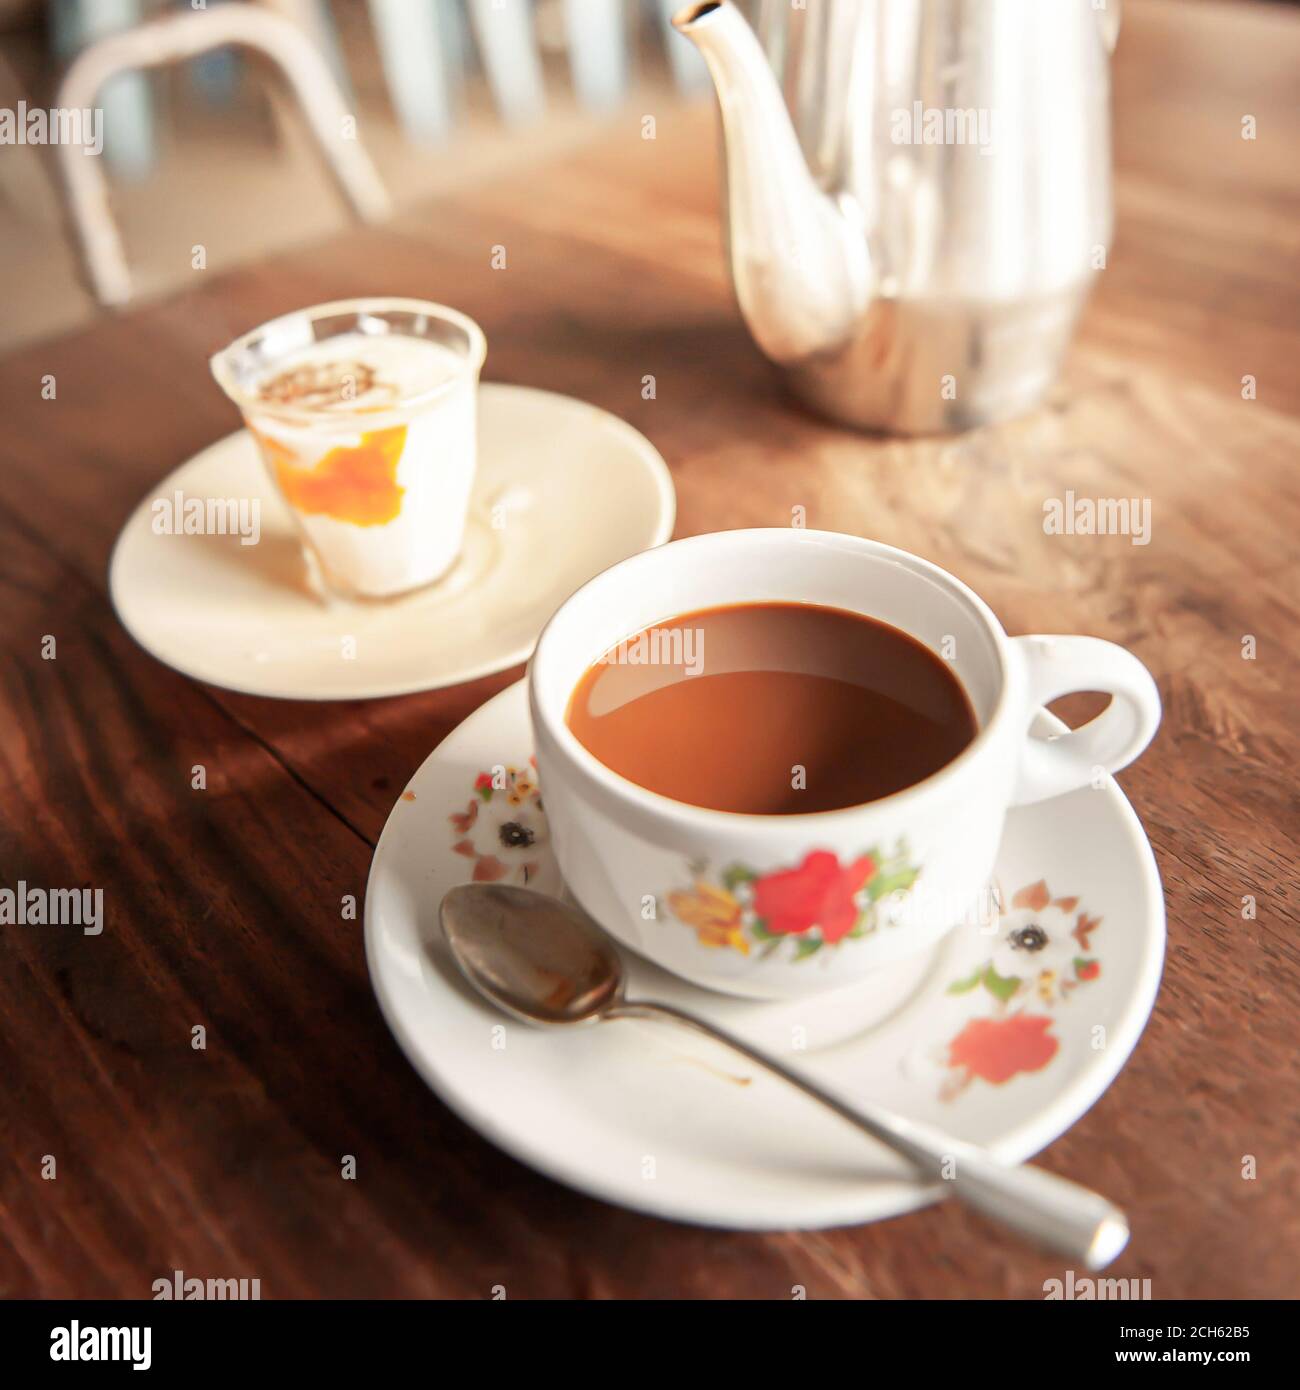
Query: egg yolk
{"x": 356, "y": 483}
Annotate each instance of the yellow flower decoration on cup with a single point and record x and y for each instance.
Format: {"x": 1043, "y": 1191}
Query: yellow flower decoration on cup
{"x": 714, "y": 913}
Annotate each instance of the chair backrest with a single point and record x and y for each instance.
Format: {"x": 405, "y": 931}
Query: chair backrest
{"x": 174, "y": 38}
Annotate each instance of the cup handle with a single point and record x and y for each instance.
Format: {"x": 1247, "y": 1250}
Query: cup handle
{"x": 1056, "y": 666}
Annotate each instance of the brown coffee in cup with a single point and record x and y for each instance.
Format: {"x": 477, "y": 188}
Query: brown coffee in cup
{"x": 772, "y": 709}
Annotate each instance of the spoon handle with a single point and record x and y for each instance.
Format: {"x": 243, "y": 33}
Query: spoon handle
{"x": 1052, "y": 1211}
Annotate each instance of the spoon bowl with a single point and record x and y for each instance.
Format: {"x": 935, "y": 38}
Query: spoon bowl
{"x": 532, "y": 955}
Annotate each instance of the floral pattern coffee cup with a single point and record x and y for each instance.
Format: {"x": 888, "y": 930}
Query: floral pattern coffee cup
{"x": 782, "y": 905}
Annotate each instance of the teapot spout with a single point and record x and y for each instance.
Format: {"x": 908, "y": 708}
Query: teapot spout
{"x": 799, "y": 264}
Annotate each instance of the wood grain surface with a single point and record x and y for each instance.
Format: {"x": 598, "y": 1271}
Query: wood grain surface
{"x": 221, "y": 905}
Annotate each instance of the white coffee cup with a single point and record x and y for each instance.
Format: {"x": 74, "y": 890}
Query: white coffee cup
{"x": 760, "y": 905}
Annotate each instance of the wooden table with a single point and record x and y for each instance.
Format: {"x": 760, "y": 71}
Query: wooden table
{"x": 221, "y": 905}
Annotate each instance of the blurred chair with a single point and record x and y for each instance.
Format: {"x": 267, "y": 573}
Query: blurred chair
{"x": 126, "y": 101}
{"x": 425, "y": 50}
{"x": 597, "y": 43}
{"x": 315, "y": 19}
{"x": 424, "y": 46}
{"x": 413, "y": 37}
{"x": 512, "y": 61}
{"x": 175, "y": 38}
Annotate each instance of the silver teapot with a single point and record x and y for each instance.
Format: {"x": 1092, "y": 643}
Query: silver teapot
{"x": 917, "y": 195}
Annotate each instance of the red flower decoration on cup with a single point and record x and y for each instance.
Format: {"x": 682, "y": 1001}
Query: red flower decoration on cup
{"x": 819, "y": 893}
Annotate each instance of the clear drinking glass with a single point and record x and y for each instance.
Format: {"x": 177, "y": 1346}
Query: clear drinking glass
{"x": 364, "y": 411}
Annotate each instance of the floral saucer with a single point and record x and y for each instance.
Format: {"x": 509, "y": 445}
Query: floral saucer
{"x": 1004, "y": 1034}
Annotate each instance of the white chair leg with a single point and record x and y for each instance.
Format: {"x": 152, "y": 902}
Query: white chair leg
{"x": 175, "y": 38}
{"x": 457, "y": 44}
{"x": 409, "y": 37}
{"x": 507, "y": 43}
{"x": 597, "y": 51}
